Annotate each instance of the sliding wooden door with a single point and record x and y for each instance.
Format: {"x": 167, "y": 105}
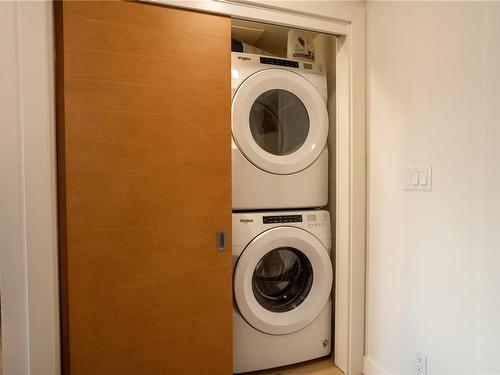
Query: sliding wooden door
{"x": 143, "y": 114}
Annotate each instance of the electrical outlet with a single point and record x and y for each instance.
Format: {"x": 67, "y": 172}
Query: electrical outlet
{"x": 421, "y": 364}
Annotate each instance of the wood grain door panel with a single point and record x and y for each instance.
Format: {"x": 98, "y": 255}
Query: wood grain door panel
{"x": 143, "y": 113}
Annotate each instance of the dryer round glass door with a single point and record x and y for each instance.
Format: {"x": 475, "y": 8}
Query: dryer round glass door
{"x": 279, "y": 121}
{"x": 282, "y": 280}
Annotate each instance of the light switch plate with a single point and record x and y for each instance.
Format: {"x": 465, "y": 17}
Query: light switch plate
{"x": 418, "y": 178}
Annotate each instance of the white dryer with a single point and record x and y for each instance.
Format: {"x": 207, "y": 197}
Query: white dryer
{"x": 282, "y": 280}
{"x": 280, "y": 129}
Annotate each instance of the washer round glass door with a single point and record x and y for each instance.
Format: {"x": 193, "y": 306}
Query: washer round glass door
{"x": 282, "y": 280}
{"x": 279, "y": 121}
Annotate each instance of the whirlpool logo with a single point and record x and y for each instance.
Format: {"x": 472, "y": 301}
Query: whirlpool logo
{"x": 246, "y": 221}
{"x": 243, "y": 58}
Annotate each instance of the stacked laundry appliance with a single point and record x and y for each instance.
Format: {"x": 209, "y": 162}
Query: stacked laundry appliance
{"x": 282, "y": 269}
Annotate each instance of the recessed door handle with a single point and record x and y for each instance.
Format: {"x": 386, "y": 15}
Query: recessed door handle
{"x": 220, "y": 240}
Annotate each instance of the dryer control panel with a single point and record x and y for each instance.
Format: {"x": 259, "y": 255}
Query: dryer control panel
{"x": 244, "y": 65}
{"x": 280, "y": 62}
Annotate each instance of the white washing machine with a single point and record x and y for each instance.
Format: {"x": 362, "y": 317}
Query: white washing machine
{"x": 282, "y": 280}
{"x": 280, "y": 129}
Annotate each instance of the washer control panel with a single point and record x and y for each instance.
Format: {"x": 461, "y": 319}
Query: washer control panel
{"x": 315, "y": 220}
{"x": 248, "y": 225}
{"x": 282, "y": 219}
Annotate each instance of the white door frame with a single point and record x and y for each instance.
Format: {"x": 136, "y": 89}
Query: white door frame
{"x": 32, "y": 164}
{"x": 28, "y": 215}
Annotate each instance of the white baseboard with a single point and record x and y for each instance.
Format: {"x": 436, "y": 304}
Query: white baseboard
{"x": 370, "y": 367}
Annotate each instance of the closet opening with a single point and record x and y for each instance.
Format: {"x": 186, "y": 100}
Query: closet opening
{"x": 284, "y": 129}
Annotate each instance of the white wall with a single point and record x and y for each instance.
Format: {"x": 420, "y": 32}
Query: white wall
{"x": 426, "y": 89}
{"x": 490, "y": 333}
{"x": 13, "y": 288}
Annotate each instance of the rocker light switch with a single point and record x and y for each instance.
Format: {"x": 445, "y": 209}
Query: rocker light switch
{"x": 414, "y": 178}
{"x": 423, "y": 178}
{"x": 418, "y": 178}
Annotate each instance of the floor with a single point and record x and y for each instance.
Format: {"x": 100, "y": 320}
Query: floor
{"x": 316, "y": 367}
